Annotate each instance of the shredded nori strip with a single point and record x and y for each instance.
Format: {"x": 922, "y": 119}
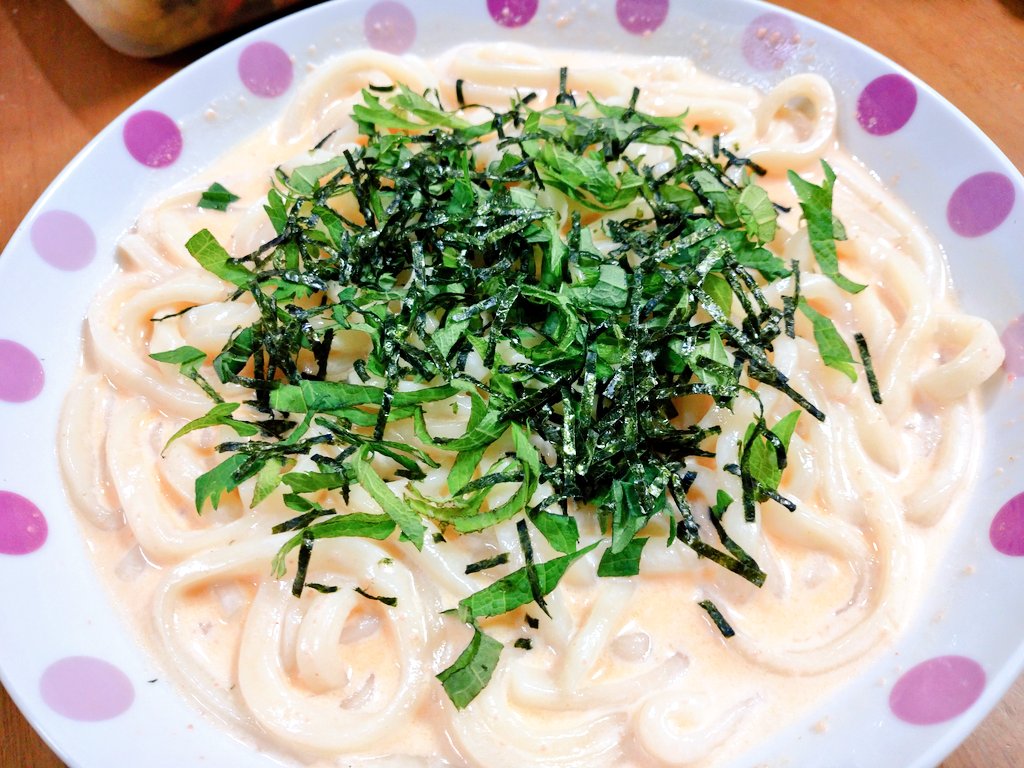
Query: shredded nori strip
{"x": 532, "y": 575}
{"x": 490, "y": 562}
{"x": 717, "y": 617}
{"x": 392, "y": 601}
{"x": 869, "y": 369}
{"x": 323, "y": 589}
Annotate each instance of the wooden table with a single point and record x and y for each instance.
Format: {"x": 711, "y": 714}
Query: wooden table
{"x": 60, "y": 85}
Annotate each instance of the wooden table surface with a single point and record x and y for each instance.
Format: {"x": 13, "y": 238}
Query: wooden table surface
{"x": 60, "y": 85}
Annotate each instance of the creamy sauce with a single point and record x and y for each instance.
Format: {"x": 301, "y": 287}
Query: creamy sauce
{"x": 629, "y": 672}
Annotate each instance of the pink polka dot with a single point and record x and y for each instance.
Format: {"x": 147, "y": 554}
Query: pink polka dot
{"x": 152, "y": 138}
{"x": 512, "y": 13}
{"x": 980, "y": 204}
{"x": 641, "y": 16}
{"x": 390, "y": 26}
{"x": 1007, "y": 530}
{"x": 937, "y": 690}
{"x": 886, "y": 104}
{"x": 1013, "y": 344}
{"x": 265, "y": 69}
{"x": 769, "y": 41}
{"x": 86, "y": 688}
{"x": 21, "y": 373}
{"x": 23, "y": 528}
{"x": 63, "y": 240}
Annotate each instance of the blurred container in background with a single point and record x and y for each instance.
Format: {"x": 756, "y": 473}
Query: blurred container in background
{"x": 154, "y": 27}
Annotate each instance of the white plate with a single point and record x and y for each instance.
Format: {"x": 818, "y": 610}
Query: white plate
{"x": 69, "y": 662}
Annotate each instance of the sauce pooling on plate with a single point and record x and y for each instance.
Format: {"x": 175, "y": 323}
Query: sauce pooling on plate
{"x": 550, "y": 410}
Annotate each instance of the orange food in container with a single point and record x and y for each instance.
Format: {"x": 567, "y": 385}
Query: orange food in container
{"x": 148, "y": 28}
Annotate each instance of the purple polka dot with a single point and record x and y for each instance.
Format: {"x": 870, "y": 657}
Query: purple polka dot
{"x": 641, "y": 17}
{"x": 769, "y": 41}
{"x": 886, "y": 104}
{"x": 152, "y": 138}
{"x": 980, "y": 204}
{"x": 21, "y": 373}
{"x": 1007, "y": 530}
{"x": 1013, "y": 345}
{"x": 512, "y": 13}
{"x": 23, "y": 528}
{"x": 937, "y": 690}
{"x": 86, "y": 688}
{"x": 63, "y": 240}
{"x": 265, "y": 69}
{"x": 390, "y": 26}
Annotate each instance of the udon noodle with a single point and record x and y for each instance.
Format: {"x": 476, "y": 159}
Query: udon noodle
{"x": 627, "y": 671}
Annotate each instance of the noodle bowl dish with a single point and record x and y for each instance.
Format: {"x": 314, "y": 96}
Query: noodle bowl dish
{"x": 518, "y": 386}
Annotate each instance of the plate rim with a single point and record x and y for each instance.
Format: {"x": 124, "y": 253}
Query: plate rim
{"x": 954, "y": 732}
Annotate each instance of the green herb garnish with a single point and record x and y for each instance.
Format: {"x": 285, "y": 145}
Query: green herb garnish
{"x": 189, "y": 359}
{"x": 586, "y": 333}
{"x": 834, "y": 351}
{"x": 471, "y": 672}
{"x": 217, "y": 197}
{"x": 623, "y": 563}
{"x": 823, "y": 228}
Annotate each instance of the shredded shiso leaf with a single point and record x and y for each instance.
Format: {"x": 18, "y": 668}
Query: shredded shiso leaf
{"x": 586, "y": 332}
